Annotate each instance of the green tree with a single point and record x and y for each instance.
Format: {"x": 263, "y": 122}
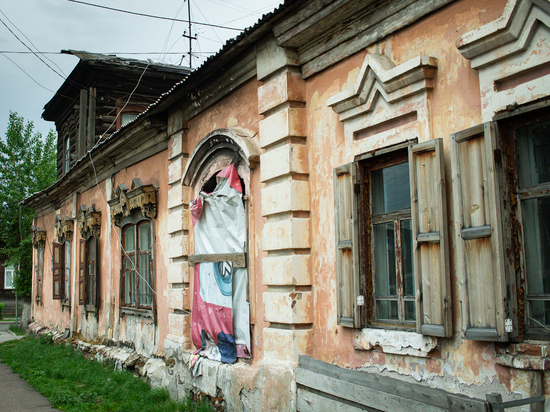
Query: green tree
{"x": 27, "y": 166}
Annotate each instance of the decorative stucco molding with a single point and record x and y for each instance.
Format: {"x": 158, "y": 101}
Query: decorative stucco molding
{"x": 64, "y": 229}
{"x": 140, "y": 197}
{"x": 511, "y": 54}
{"x": 216, "y": 142}
{"x": 379, "y": 75}
{"x": 396, "y": 342}
{"x": 38, "y": 237}
{"x": 387, "y": 104}
{"x": 89, "y": 222}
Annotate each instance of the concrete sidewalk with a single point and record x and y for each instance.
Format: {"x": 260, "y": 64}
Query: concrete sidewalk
{"x": 16, "y": 395}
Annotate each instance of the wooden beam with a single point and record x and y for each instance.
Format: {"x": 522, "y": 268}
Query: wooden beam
{"x": 477, "y": 232}
{"x": 82, "y": 124}
{"x": 238, "y": 259}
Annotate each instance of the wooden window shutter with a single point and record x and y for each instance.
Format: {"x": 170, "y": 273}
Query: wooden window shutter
{"x": 479, "y": 232}
{"x": 57, "y": 270}
{"x": 82, "y": 273}
{"x": 347, "y": 245}
{"x": 430, "y": 239}
{"x": 95, "y": 275}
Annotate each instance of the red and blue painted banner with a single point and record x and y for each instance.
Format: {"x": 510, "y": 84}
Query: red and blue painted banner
{"x": 221, "y": 314}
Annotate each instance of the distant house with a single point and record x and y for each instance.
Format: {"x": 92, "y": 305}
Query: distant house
{"x": 6, "y": 282}
{"x": 346, "y": 208}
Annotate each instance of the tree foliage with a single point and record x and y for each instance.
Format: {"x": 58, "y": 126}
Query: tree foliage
{"x": 27, "y": 166}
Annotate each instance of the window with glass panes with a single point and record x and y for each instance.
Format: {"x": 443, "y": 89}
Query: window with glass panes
{"x": 87, "y": 272}
{"x": 533, "y": 164}
{"x": 136, "y": 268}
{"x": 388, "y": 239}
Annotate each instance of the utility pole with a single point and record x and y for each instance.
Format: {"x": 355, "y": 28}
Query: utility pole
{"x": 190, "y": 39}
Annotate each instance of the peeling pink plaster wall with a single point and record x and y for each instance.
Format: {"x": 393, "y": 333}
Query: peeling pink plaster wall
{"x": 454, "y": 106}
{"x": 239, "y": 109}
{"x": 152, "y": 170}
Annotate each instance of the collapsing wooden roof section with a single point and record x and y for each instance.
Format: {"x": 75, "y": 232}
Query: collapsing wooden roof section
{"x": 113, "y": 77}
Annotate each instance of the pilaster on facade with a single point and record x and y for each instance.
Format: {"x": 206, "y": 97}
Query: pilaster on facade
{"x": 178, "y": 224}
{"x": 285, "y": 205}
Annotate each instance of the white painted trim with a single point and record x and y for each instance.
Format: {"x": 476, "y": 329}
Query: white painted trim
{"x": 509, "y": 50}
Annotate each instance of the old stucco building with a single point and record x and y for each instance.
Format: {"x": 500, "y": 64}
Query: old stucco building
{"x": 393, "y": 177}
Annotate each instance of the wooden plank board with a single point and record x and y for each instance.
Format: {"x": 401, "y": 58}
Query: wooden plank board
{"x": 459, "y": 403}
{"x": 308, "y": 401}
{"x": 477, "y": 232}
{"x": 371, "y": 35}
{"x": 429, "y": 224}
{"x": 367, "y": 17}
{"x": 399, "y": 388}
{"x": 363, "y": 395}
{"x": 479, "y": 242}
{"x": 82, "y": 124}
{"x": 238, "y": 259}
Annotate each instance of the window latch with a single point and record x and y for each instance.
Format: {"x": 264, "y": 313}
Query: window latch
{"x": 360, "y": 300}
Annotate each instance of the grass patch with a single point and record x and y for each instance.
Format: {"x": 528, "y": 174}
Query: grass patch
{"x": 73, "y": 383}
{"x": 17, "y": 330}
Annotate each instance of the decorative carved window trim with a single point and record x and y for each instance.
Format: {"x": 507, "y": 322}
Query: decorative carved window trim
{"x": 64, "y": 229}
{"x": 387, "y": 105}
{"x": 38, "y": 238}
{"x": 124, "y": 202}
{"x": 89, "y": 222}
{"x": 511, "y": 55}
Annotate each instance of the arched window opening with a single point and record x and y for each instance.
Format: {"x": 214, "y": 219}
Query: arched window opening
{"x": 219, "y": 172}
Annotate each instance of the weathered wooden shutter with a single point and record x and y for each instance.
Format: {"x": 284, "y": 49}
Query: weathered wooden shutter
{"x": 430, "y": 239}
{"x": 347, "y": 245}
{"x": 57, "y": 269}
{"x": 480, "y": 253}
{"x": 82, "y": 273}
{"x": 95, "y": 274}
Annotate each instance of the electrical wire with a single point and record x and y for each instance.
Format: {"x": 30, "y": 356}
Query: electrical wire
{"x": 33, "y": 52}
{"x": 134, "y": 267}
{"x": 30, "y": 77}
{"x": 123, "y": 107}
{"x": 30, "y": 41}
{"x": 155, "y": 17}
{"x": 170, "y": 32}
{"x": 106, "y": 53}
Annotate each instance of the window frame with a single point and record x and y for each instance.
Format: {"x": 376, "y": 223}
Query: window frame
{"x": 10, "y": 269}
{"x": 135, "y": 221}
{"x": 429, "y": 237}
{"x": 510, "y": 129}
{"x": 59, "y": 250}
{"x": 89, "y": 299}
{"x": 39, "y": 272}
{"x": 367, "y": 221}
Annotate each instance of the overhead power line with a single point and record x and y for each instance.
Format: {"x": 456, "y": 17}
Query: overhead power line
{"x": 31, "y": 50}
{"x": 30, "y": 41}
{"x": 106, "y": 53}
{"x": 155, "y": 17}
{"x": 23, "y": 70}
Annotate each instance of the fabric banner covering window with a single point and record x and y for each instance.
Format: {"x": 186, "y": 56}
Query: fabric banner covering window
{"x": 221, "y": 315}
